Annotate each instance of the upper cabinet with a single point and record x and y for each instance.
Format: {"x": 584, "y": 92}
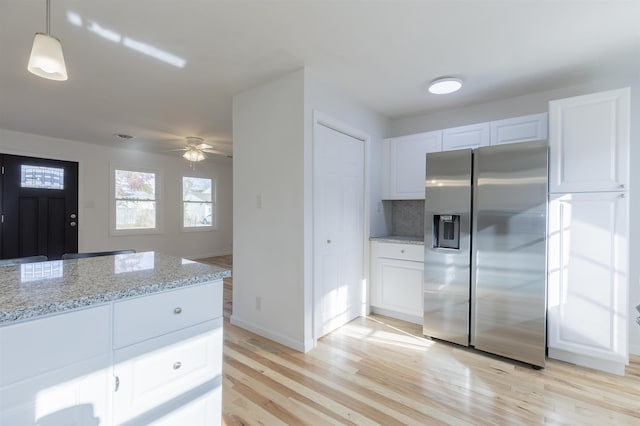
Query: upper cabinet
{"x": 472, "y": 136}
{"x": 519, "y": 129}
{"x": 403, "y": 158}
{"x": 589, "y": 142}
{"x": 404, "y": 168}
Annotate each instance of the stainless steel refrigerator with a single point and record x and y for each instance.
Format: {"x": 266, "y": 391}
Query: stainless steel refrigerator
{"x": 485, "y": 249}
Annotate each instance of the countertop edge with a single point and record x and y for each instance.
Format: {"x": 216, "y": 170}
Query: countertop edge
{"x": 397, "y": 240}
{"x": 84, "y": 302}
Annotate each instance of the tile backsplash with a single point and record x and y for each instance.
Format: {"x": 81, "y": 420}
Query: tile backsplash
{"x": 407, "y": 218}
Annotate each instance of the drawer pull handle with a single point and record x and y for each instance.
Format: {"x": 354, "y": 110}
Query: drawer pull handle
{"x": 177, "y": 365}
{"x": 177, "y": 310}
{"x": 402, "y": 251}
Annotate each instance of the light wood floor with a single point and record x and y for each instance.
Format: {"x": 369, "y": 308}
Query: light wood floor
{"x": 378, "y": 370}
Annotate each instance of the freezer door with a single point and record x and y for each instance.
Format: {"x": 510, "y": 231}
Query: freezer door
{"x": 447, "y": 246}
{"x": 509, "y": 263}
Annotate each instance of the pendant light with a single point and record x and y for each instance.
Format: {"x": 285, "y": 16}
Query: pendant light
{"x": 46, "y": 58}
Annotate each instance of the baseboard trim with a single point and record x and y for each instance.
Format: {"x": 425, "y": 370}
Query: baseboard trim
{"x": 634, "y": 349}
{"x": 397, "y": 315}
{"x": 587, "y": 361}
{"x": 271, "y": 335}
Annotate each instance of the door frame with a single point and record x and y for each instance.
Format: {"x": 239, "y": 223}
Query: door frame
{"x": 321, "y": 119}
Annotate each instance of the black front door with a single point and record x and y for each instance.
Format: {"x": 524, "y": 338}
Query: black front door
{"x": 39, "y": 207}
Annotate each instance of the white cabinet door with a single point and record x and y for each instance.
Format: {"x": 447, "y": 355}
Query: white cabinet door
{"x": 587, "y": 302}
{"x": 153, "y": 373}
{"x": 396, "y": 288}
{"x": 401, "y": 285}
{"x": 204, "y": 410}
{"x": 519, "y": 129}
{"x": 472, "y": 136}
{"x": 406, "y": 164}
{"x": 74, "y": 395}
{"x": 589, "y": 142}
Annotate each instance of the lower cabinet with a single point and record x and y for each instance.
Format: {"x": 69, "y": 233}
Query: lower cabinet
{"x": 587, "y": 301}
{"x": 73, "y": 395}
{"x": 55, "y": 370}
{"x": 154, "y": 376}
{"x": 397, "y": 273}
{"x": 153, "y": 359}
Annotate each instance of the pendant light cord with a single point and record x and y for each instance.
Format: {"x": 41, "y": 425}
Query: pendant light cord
{"x": 48, "y": 18}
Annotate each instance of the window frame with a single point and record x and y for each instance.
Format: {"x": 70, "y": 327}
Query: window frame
{"x": 159, "y": 228}
{"x": 214, "y": 205}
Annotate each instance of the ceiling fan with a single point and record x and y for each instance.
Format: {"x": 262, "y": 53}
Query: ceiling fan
{"x": 197, "y": 150}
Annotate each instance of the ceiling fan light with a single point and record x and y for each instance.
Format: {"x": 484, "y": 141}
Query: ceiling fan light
{"x": 446, "y": 85}
{"x": 194, "y": 155}
{"x": 46, "y": 58}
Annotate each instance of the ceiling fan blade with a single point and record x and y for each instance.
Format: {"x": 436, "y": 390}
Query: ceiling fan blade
{"x": 213, "y": 151}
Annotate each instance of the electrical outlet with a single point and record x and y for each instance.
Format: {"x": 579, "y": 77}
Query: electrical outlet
{"x": 258, "y": 303}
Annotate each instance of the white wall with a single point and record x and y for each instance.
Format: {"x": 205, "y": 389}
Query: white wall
{"x": 538, "y": 102}
{"x": 272, "y": 137}
{"x": 268, "y": 251}
{"x": 94, "y": 195}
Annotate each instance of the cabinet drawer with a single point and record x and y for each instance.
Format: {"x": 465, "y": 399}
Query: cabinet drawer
{"x": 146, "y": 317}
{"x": 152, "y": 374}
{"x": 49, "y": 343}
{"x": 412, "y": 252}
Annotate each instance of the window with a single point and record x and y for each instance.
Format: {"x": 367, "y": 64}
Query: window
{"x": 41, "y": 177}
{"x": 135, "y": 200}
{"x": 198, "y": 197}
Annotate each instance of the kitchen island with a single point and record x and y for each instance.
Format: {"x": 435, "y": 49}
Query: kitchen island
{"x": 126, "y": 339}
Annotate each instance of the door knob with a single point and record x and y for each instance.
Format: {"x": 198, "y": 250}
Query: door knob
{"x": 73, "y": 216}
{"x": 72, "y": 224}
{"x": 328, "y": 241}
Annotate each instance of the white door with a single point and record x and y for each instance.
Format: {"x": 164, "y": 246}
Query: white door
{"x": 338, "y": 220}
{"x": 587, "y": 302}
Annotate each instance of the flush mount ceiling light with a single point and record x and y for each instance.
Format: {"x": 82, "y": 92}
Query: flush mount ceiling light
{"x": 445, "y": 85}
{"x": 46, "y": 58}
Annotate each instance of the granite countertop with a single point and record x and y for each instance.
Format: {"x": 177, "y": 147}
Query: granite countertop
{"x": 35, "y": 289}
{"x": 399, "y": 239}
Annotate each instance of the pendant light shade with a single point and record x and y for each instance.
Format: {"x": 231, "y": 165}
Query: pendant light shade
{"x": 46, "y": 58}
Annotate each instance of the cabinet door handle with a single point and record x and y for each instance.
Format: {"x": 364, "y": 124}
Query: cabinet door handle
{"x": 177, "y": 310}
{"x": 402, "y": 251}
{"x": 622, "y": 185}
{"x": 177, "y": 365}
{"x": 117, "y": 384}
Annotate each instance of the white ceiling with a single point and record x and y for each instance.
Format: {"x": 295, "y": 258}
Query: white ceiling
{"x": 380, "y": 52}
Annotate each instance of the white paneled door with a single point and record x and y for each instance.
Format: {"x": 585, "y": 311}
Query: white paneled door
{"x": 338, "y": 221}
